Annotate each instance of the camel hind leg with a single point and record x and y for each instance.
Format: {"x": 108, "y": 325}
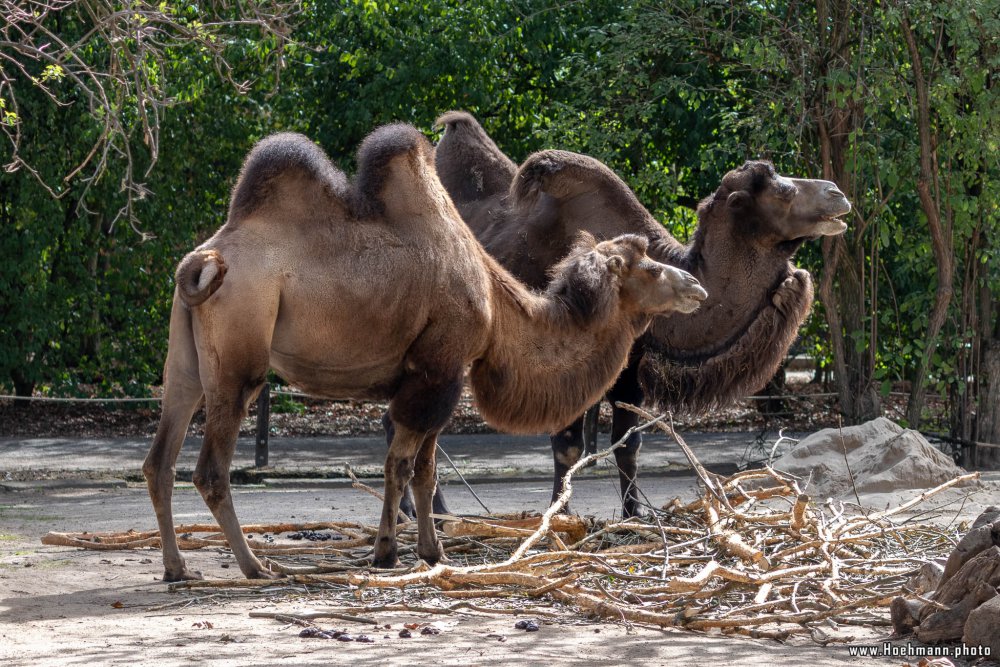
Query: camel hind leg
{"x": 225, "y": 409}
{"x": 181, "y": 395}
{"x": 232, "y": 364}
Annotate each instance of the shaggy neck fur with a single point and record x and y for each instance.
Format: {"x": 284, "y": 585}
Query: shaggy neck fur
{"x": 554, "y": 354}
{"x": 748, "y": 352}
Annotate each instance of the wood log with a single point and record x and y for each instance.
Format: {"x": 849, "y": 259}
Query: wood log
{"x": 574, "y": 527}
{"x": 927, "y": 578}
{"x": 984, "y": 568}
{"x": 905, "y": 615}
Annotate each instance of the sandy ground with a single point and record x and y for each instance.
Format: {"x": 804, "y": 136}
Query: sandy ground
{"x": 63, "y": 606}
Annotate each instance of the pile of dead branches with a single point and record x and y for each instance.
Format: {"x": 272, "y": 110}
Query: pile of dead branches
{"x": 752, "y": 551}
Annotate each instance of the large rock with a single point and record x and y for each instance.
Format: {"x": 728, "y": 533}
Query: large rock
{"x": 983, "y": 627}
{"x": 875, "y": 457}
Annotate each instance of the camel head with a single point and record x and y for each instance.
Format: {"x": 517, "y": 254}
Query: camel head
{"x": 593, "y": 272}
{"x": 776, "y": 209}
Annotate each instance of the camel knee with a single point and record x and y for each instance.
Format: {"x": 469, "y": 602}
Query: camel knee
{"x": 633, "y": 443}
{"x": 567, "y": 455}
{"x": 424, "y": 473}
{"x": 398, "y": 471}
{"x": 212, "y": 485}
{"x": 153, "y": 471}
{"x": 159, "y": 480}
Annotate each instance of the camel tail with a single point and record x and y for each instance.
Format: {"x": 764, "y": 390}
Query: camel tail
{"x": 199, "y": 275}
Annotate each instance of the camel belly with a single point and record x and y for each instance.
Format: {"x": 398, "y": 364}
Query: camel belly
{"x": 323, "y": 376}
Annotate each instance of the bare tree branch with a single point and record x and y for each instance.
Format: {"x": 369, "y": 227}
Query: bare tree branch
{"x": 118, "y": 68}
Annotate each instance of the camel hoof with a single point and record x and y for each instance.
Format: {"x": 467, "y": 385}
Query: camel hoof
{"x": 438, "y": 560}
{"x": 266, "y": 574}
{"x": 435, "y": 556}
{"x": 184, "y": 575}
{"x": 385, "y": 563}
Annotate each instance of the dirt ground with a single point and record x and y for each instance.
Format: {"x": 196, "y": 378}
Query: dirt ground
{"x": 64, "y": 606}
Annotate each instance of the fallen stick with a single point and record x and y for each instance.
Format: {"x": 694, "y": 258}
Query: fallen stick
{"x": 310, "y": 616}
{"x": 574, "y": 527}
{"x": 921, "y": 498}
{"x": 361, "y": 486}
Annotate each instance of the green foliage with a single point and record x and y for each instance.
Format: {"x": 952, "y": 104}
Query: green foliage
{"x": 669, "y": 94}
{"x": 285, "y": 404}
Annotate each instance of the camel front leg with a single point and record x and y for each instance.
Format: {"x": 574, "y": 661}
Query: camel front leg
{"x": 420, "y": 409}
{"x": 627, "y": 390}
{"x": 399, "y": 463}
{"x": 627, "y": 460}
{"x": 424, "y": 485}
{"x": 567, "y": 448}
{"x": 406, "y": 504}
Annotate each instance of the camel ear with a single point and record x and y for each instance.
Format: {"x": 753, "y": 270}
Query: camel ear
{"x": 739, "y": 199}
{"x": 616, "y": 264}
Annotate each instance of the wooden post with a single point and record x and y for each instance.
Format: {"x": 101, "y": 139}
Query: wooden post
{"x": 590, "y": 429}
{"x": 263, "y": 425}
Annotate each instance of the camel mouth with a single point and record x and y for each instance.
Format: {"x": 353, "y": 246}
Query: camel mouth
{"x": 831, "y": 225}
{"x": 690, "y": 299}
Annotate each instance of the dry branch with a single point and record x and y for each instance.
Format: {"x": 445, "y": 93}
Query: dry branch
{"x": 735, "y": 559}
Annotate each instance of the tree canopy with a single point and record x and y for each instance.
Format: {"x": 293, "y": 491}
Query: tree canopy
{"x": 141, "y": 113}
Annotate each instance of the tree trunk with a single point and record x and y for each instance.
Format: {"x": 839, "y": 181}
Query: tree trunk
{"x": 842, "y": 288}
{"x": 940, "y": 231}
{"x": 988, "y": 424}
{"x": 22, "y": 385}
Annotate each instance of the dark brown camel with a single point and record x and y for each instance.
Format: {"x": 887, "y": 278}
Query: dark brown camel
{"x": 376, "y": 289}
{"x": 748, "y": 231}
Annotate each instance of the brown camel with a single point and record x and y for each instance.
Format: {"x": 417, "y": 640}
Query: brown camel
{"x": 748, "y": 231}
{"x": 376, "y": 289}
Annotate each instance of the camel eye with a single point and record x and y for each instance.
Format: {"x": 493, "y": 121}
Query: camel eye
{"x": 787, "y": 191}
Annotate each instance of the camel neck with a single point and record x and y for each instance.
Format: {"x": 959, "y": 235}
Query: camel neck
{"x": 543, "y": 367}
{"x": 740, "y": 278}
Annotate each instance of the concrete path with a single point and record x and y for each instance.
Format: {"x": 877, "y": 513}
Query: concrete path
{"x": 478, "y": 457}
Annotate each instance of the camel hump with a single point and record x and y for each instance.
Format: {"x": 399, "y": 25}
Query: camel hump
{"x": 564, "y": 175}
{"x": 199, "y": 275}
{"x": 469, "y": 163}
{"x": 456, "y": 120}
{"x": 286, "y": 164}
{"x": 397, "y": 155}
